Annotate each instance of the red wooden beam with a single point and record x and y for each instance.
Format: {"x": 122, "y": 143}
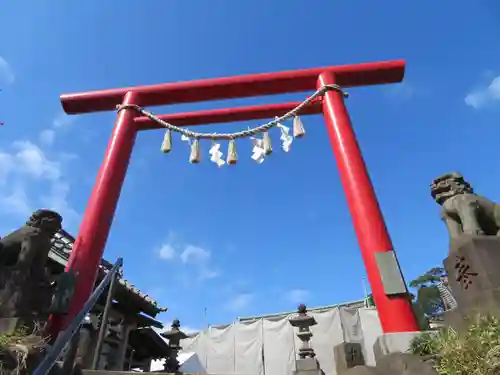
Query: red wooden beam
{"x": 217, "y": 116}
{"x": 235, "y": 87}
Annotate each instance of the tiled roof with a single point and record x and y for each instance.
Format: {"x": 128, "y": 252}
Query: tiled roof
{"x": 62, "y": 244}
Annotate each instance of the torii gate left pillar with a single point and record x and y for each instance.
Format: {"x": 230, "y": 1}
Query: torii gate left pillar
{"x": 395, "y": 312}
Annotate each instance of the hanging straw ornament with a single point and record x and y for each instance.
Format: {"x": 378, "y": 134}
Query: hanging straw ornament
{"x": 232, "y": 155}
{"x": 266, "y": 144}
{"x": 195, "y": 156}
{"x": 166, "y": 146}
{"x": 298, "y": 128}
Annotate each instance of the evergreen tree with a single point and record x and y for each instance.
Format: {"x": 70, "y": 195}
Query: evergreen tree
{"x": 427, "y": 298}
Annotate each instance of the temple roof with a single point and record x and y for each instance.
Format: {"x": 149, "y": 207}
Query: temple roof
{"x": 62, "y": 244}
{"x": 148, "y": 344}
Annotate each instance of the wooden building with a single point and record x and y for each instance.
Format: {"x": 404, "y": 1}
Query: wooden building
{"x": 131, "y": 340}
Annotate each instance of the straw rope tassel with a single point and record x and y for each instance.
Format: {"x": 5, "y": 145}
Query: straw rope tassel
{"x": 195, "y": 156}
{"x": 166, "y": 146}
{"x": 268, "y": 148}
{"x": 298, "y": 128}
{"x": 232, "y": 155}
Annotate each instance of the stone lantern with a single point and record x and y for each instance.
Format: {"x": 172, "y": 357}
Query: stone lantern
{"x": 304, "y": 322}
{"x": 174, "y": 337}
{"x": 307, "y": 364}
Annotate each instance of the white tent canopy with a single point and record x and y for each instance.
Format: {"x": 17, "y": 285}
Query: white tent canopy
{"x": 269, "y": 345}
{"x": 189, "y": 361}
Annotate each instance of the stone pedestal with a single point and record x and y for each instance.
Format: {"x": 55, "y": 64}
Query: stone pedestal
{"x": 348, "y": 355}
{"x": 17, "y": 299}
{"x": 396, "y": 364}
{"x": 307, "y": 366}
{"x": 474, "y": 278}
{"x": 389, "y": 343}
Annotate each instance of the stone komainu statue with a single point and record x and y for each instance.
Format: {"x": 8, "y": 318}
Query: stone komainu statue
{"x": 24, "y": 280}
{"x": 464, "y": 212}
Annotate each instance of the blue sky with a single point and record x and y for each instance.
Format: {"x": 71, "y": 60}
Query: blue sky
{"x": 250, "y": 239}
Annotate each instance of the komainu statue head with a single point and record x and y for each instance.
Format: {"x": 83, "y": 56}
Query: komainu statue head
{"x": 48, "y": 221}
{"x": 464, "y": 212}
{"x": 449, "y": 185}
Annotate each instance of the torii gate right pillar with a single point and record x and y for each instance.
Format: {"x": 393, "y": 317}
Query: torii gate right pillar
{"x": 395, "y": 313}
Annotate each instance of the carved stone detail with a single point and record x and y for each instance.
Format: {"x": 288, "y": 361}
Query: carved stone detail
{"x": 473, "y": 279}
{"x": 348, "y": 355}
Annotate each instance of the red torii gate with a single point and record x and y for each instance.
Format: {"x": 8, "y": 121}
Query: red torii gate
{"x": 395, "y": 312}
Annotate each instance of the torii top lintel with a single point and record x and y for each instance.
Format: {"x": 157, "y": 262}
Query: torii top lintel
{"x": 235, "y": 87}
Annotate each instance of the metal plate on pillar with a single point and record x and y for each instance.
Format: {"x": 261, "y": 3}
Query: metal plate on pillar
{"x": 390, "y": 272}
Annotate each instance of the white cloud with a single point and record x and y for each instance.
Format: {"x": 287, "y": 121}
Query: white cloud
{"x": 298, "y": 295}
{"x": 29, "y": 159}
{"x": 63, "y": 120}
{"x": 48, "y": 136}
{"x": 195, "y": 254}
{"x": 239, "y": 302}
{"x": 6, "y": 73}
{"x": 200, "y": 258}
{"x": 167, "y": 252}
{"x": 58, "y": 200}
{"x": 15, "y": 202}
{"x": 208, "y": 274}
{"x": 60, "y": 122}
{"x": 192, "y": 256}
{"x": 484, "y": 96}
{"x": 29, "y": 180}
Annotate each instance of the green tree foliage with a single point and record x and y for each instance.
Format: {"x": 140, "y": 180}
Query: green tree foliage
{"x": 427, "y": 298}
{"x": 431, "y": 277}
